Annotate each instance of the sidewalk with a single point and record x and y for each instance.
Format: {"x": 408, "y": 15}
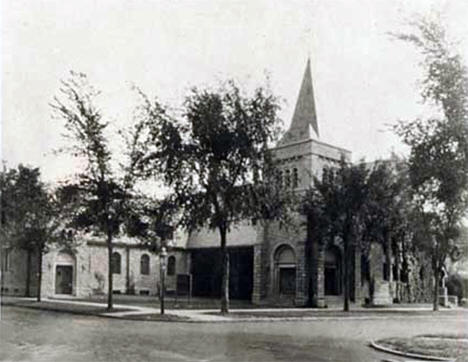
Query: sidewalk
{"x": 125, "y": 311}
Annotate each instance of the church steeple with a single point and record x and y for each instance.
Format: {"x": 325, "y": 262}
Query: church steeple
{"x": 304, "y": 122}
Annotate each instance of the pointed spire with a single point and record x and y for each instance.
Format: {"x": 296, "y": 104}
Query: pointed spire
{"x": 305, "y": 116}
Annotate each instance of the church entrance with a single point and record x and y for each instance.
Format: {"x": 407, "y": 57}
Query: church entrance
{"x": 64, "y": 279}
{"x": 64, "y": 270}
{"x": 332, "y": 271}
{"x": 206, "y": 272}
{"x": 287, "y": 280}
{"x": 285, "y": 270}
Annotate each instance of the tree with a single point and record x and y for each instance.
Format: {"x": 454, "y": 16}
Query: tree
{"x": 31, "y": 217}
{"x": 357, "y": 205}
{"x": 215, "y": 160}
{"x": 389, "y": 208}
{"x": 335, "y": 210}
{"x": 100, "y": 192}
{"x": 438, "y": 160}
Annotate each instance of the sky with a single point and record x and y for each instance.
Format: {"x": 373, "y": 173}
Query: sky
{"x": 363, "y": 79}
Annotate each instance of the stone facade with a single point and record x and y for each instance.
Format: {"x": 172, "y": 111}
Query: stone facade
{"x": 87, "y": 271}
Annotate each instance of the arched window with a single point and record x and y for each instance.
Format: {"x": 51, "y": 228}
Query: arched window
{"x": 287, "y": 179}
{"x": 422, "y": 273}
{"x": 280, "y": 178}
{"x": 116, "y": 263}
{"x": 171, "y": 265}
{"x": 145, "y": 264}
{"x": 385, "y": 271}
{"x": 285, "y": 255}
{"x": 332, "y": 271}
{"x": 404, "y": 276}
{"x": 365, "y": 269}
{"x": 295, "y": 178}
{"x": 395, "y": 272}
{"x": 6, "y": 259}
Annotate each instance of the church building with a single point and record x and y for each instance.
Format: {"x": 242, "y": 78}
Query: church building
{"x": 268, "y": 265}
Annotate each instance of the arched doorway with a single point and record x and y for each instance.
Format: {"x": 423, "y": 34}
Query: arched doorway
{"x": 332, "y": 271}
{"x": 285, "y": 270}
{"x": 64, "y": 273}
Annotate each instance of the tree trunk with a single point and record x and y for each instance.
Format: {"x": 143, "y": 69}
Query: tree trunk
{"x": 346, "y": 274}
{"x": 312, "y": 289}
{"x": 127, "y": 271}
{"x": 3, "y": 270}
{"x": 388, "y": 255}
{"x": 225, "y": 271}
{"x": 397, "y": 274}
{"x": 435, "y": 300}
{"x": 28, "y": 273}
{"x": 110, "y": 280}
{"x": 39, "y": 274}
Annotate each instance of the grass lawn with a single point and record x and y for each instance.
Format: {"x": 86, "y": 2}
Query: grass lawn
{"x": 171, "y": 302}
{"x": 157, "y": 317}
{"x": 440, "y": 345}
{"x": 65, "y": 307}
{"x": 320, "y": 313}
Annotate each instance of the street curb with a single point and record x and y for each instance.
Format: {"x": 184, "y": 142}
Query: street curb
{"x": 381, "y": 348}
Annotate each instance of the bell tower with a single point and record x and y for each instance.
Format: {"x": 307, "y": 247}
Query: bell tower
{"x": 300, "y": 156}
{"x": 300, "y": 153}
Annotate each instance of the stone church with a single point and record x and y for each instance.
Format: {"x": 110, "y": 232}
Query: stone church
{"x": 273, "y": 265}
{"x": 268, "y": 264}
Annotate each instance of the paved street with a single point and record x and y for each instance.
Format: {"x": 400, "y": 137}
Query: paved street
{"x": 32, "y": 335}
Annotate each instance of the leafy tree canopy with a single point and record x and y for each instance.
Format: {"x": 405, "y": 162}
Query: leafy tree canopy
{"x": 215, "y": 156}
{"x": 31, "y": 214}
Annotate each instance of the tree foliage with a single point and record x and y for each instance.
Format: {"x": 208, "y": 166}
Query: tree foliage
{"x": 438, "y": 161}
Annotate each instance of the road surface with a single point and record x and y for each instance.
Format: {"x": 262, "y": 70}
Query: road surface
{"x": 32, "y": 335}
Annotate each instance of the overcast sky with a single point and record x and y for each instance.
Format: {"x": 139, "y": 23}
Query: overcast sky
{"x": 363, "y": 79}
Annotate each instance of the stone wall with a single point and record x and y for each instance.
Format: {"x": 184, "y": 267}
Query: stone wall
{"x": 14, "y": 278}
{"x": 243, "y": 234}
{"x": 308, "y": 158}
{"x": 89, "y": 263}
{"x": 90, "y": 271}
